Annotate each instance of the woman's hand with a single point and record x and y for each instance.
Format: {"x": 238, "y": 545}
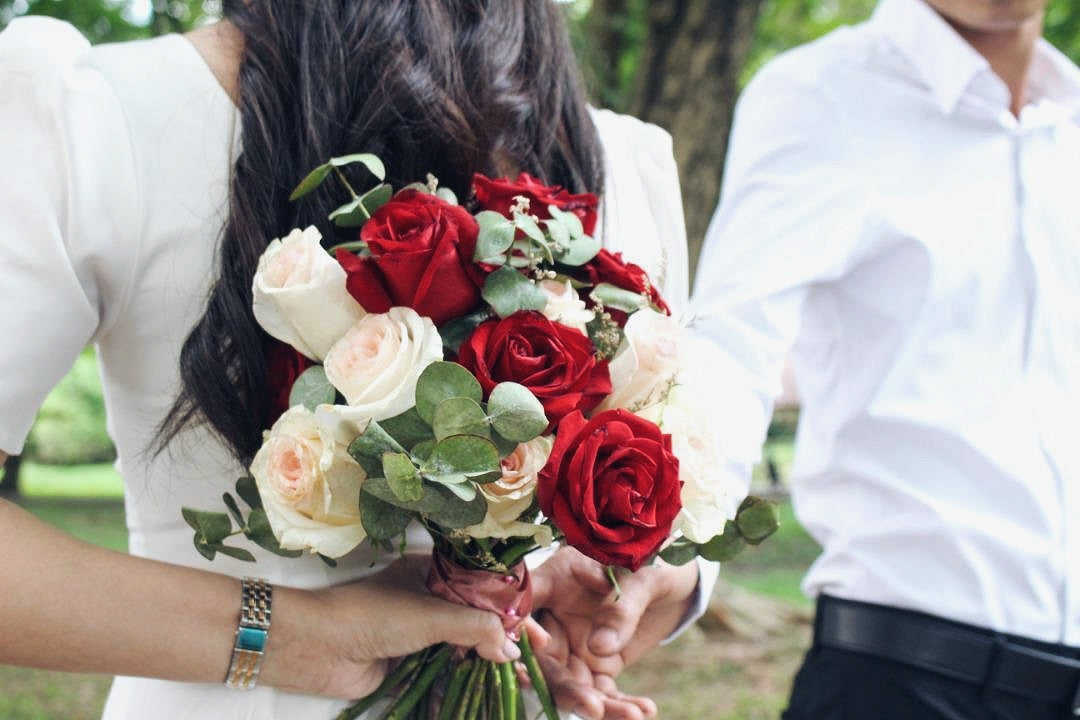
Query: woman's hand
{"x": 340, "y": 641}
{"x": 594, "y": 636}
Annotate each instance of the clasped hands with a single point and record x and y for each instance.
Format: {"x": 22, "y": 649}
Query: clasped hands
{"x": 593, "y": 636}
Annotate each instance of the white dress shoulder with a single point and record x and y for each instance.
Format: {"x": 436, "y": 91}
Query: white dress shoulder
{"x": 113, "y": 194}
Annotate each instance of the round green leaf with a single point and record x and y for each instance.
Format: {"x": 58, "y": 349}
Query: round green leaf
{"x": 370, "y": 161}
{"x": 381, "y": 520}
{"x": 724, "y": 547}
{"x": 212, "y": 527}
{"x": 515, "y": 412}
{"x": 507, "y": 291}
{"x": 464, "y": 454}
{"x": 368, "y": 449}
{"x": 757, "y": 519}
{"x": 312, "y": 389}
{"x": 260, "y": 533}
{"x": 408, "y": 428}
{"x": 442, "y": 380}
{"x": 404, "y": 479}
{"x": 313, "y": 180}
{"x": 579, "y": 251}
{"x": 460, "y": 416}
{"x": 496, "y": 235}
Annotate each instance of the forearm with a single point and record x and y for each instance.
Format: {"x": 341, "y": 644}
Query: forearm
{"x": 68, "y": 605}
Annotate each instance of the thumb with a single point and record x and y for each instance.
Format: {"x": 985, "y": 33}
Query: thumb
{"x": 616, "y": 620}
{"x": 470, "y": 628}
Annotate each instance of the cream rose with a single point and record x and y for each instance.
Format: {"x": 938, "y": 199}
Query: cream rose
{"x": 299, "y": 294}
{"x": 648, "y": 362}
{"x": 564, "y": 306}
{"x": 511, "y": 495}
{"x": 309, "y": 485}
{"x": 376, "y": 364}
{"x": 707, "y": 502}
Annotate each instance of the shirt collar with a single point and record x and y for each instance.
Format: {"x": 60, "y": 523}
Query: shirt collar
{"x": 945, "y": 62}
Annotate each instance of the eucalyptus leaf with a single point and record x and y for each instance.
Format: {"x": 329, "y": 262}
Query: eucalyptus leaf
{"x": 438, "y": 501}
{"x": 351, "y": 214}
{"x": 724, "y": 547}
{"x": 528, "y": 225}
{"x": 368, "y": 448}
{"x": 515, "y": 412}
{"x": 559, "y": 233}
{"x": 381, "y": 520}
{"x": 259, "y": 532}
{"x": 496, "y": 236}
{"x": 370, "y": 161}
{"x": 204, "y": 549}
{"x": 580, "y": 251}
{"x": 441, "y": 380}
{"x": 502, "y": 445}
{"x": 463, "y": 454}
{"x": 460, "y": 416}
{"x": 235, "y": 552}
{"x": 311, "y": 181}
{"x": 679, "y": 552}
{"x": 403, "y": 476}
{"x": 408, "y": 428}
{"x": 249, "y": 492}
{"x": 616, "y": 297}
{"x": 376, "y": 197}
{"x": 213, "y": 527}
{"x": 234, "y": 508}
{"x": 312, "y": 389}
{"x": 460, "y": 513}
{"x": 459, "y": 329}
{"x": 465, "y": 491}
{"x": 569, "y": 220}
{"x": 447, "y": 194}
{"x": 421, "y": 451}
{"x": 507, "y": 291}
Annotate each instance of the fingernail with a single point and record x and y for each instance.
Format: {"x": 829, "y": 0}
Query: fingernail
{"x": 511, "y": 650}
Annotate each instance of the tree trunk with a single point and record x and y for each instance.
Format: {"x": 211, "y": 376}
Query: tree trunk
{"x": 9, "y": 481}
{"x": 688, "y": 82}
{"x": 606, "y": 43}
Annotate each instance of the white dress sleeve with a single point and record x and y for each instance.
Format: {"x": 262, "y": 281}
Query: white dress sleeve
{"x": 67, "y": 196}
{"x": 642, "y": 217}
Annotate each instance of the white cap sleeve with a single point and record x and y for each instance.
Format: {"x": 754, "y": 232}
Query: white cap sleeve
{"x": 642, "y": 212}
{"x": 67, "y": 204}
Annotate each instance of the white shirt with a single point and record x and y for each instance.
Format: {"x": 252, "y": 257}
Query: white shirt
{"x": 917, "y": 249}
{"x": 113, "y": 192}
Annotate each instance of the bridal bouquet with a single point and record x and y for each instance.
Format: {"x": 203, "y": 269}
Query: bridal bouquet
{"x": 490, "y": 372}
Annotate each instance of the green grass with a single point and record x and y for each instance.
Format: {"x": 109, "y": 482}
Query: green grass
{"x": 70, "y": 481}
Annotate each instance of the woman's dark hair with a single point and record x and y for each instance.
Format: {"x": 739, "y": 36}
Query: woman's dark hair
{"x": 449, "y": 87}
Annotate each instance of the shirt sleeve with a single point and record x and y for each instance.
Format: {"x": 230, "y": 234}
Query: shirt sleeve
{"x": 66, "y": 192}
{"x": 791, "y": 216}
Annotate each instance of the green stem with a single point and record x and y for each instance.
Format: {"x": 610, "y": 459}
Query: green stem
{"x": 470, "y": 690}
{"x": 479, "y": 691}
{"x": 422, "y": 685}
{"x": 509, "y": 690}
{"x": 407, "y": 667}
{"x": 610, "y": 571}
{"x": 454, "y": 689}
{"x": 537, "y": 678}
{"x": 345, "y": 182}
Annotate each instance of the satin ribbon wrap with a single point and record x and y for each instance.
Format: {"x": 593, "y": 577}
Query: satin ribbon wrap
{"x": 508, "y": 596}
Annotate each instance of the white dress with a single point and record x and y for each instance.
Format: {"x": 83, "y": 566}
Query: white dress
{"x": 113, "y": 191}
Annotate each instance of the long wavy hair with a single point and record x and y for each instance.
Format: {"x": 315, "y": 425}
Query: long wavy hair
{"x": 449, "y": 87}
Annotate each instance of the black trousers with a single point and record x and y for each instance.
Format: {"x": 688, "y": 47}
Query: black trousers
{"x": 840, "y": 684}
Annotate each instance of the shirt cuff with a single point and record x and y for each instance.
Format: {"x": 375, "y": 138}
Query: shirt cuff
{"x": 708, "y": 571}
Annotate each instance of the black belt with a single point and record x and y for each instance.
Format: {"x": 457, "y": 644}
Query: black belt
{"x": 958, "y": 651}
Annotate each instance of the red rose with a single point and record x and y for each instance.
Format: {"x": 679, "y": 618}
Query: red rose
{"x": 557, "y": 363}
{"x": 283, "y": 366}
{"x": 499, "y": 194}
{"x": 421, "y": 257}
{"x": 609, "y": 267}
{"x": 611, "y": 484}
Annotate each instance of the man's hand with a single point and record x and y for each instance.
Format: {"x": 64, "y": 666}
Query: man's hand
{"x": 594, "y": 636}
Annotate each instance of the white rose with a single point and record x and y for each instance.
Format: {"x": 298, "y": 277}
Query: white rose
{"x": 511, "y": 495}
{"x": 645, "y": 368}
{"x": 299, "y": 294}
{"x": 376, "y": 364}
{"x": 564, "y": 306}
{"x": 309, "y": 485}
{"x": 707, "y": 503}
